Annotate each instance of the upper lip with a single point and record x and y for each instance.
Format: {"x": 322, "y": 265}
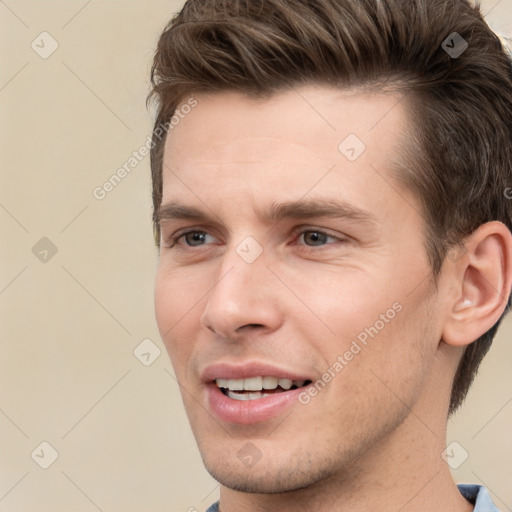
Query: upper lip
{"x": 225, "y": 370}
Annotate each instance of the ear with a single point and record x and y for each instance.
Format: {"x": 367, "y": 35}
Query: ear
{"x": 481, "y": 281}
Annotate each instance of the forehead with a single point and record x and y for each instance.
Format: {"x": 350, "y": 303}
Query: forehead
{"x": 303, "y": 140}
{"x": 301, "y": 114}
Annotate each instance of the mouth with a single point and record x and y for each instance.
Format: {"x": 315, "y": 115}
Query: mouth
{"x": 256, "y": 388}
{"x": 251, "y": 392}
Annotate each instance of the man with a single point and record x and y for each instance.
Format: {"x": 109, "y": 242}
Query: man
{"x": 331, "y": 208}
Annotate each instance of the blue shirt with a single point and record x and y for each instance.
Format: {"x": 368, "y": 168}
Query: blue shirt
{"x": 475, "y": 494}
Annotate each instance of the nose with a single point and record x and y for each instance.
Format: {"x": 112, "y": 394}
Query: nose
{"x": 243, "y": 299}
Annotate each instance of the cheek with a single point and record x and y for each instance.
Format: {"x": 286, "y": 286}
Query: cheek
{"x": 176, "y": 295}
{"x": 177, "y": 310}
{"x": 373, "y": 317}
{"x": 345, "y": 303}
{"x": 398, "y": 355}
{"x": 165, "y": 304}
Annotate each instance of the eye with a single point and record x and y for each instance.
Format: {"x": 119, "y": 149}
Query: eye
{"x": 316, "y": 237}
{"x": 193, "y": 238}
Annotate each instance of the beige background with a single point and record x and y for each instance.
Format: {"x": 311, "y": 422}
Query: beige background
{"x": 69, "y": 325}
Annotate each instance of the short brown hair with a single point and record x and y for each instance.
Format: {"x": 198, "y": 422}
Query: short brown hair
{"x": 458, "y": 159}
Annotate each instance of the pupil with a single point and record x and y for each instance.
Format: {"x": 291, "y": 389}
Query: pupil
{"x": 315, "y": 238}
{"x": 195, "y": 238}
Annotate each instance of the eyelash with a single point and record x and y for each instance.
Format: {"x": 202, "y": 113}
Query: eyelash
{"x": 175, "y": 239}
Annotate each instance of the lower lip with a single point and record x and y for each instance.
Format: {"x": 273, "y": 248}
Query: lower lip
{"x": 247, "y": 412}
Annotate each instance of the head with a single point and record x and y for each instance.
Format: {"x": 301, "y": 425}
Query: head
{"x": 277, "y": 87}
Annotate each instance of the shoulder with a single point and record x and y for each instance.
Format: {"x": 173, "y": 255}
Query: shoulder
{"x": 214, "y": 508}
{"x": 478, "y": 496}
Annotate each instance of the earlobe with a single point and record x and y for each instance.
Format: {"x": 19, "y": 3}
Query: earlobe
{"x": 483, "y": 281}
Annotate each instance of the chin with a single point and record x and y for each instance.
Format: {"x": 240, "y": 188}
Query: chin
{"x": 264, "y": 481}
{"x": 272, "y": 474}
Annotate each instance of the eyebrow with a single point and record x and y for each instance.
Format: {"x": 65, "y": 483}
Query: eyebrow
{"x": 301, "y": 209}
{"x": 304, "y": 209}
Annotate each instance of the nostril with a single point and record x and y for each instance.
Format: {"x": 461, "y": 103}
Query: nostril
{"x": 250, "y": 326}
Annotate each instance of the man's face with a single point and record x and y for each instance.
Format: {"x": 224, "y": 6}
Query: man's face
{"x": 305, "y": 262}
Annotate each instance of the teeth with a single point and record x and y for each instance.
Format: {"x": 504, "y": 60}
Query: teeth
{"x": 246, "y": 396}
{"x": 285, "y": 383}
{"x": 270, "y": 382}
{"x": 222, "y": 383}
{"x": 253, "y": 384}
{"x": 257, "y": 384}
{"x": 236, "y": 384}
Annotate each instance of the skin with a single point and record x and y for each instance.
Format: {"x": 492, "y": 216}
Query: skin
{"x": 372, "y": 438}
